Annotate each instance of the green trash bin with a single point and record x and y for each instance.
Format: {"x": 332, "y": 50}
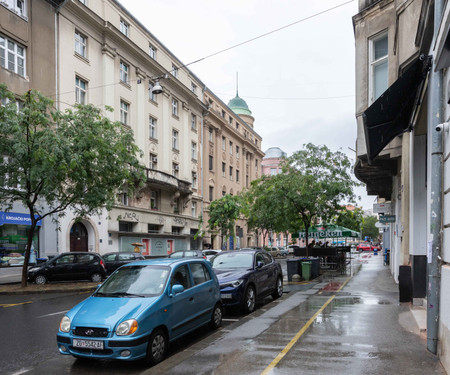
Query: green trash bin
{"x": 306, "y": 270}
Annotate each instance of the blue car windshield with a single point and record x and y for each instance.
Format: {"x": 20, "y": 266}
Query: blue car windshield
{"x": 135, "y": 281}
{"x": 233, "y": 260}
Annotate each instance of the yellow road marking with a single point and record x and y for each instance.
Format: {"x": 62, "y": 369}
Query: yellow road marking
{"x": 289, "y": 346}
{"x": 13, "y": 304}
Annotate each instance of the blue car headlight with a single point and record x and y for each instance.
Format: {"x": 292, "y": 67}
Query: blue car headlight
{"x": 127, "y": 327}
{"x": 64, "y": 326}
{"x": 233, "y": 284}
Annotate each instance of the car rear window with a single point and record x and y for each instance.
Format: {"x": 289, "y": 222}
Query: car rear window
{"x": 199, "y": 273}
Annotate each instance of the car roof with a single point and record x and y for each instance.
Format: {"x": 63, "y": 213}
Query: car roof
{"x": 243, "y": 250}
{"x": 170, "y": 262}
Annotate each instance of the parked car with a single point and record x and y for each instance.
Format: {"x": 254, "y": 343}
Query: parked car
{"x": 69, "y": 267}
{"x": 187, "y": 253}
{"x": 283, "y": 251}
{"x": 141, "y": 308}
{"x": 375, "y": 247}
{"x": 209, "y": 253}
{"x": 116, "y": 259}
{"x": 291, "y": 248}
{"x": 364, "y": 246}
{"x": 247, "y": 275}
{"x": 278, "y": 251}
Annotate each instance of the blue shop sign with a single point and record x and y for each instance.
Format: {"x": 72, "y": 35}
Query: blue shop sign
{"x": 16, "y": 218}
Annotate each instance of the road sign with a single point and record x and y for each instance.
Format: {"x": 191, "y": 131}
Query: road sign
{"x": 380, "y": 225}
{"x": 382, "y": 208}
{"x": 387, "y": 219}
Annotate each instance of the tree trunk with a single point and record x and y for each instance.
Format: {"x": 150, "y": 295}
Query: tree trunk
{"x": 28, "y": 251}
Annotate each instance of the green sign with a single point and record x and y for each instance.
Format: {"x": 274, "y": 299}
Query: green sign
{"x": 387, "y": 219}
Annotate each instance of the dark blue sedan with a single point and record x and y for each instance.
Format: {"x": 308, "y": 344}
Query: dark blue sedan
{"x": 247, "y": 275}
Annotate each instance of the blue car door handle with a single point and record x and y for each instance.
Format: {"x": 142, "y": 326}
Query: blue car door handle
{"x": 191, "y": 299}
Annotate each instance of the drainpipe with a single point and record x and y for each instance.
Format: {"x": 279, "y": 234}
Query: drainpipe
{"x": 435, "y": 118}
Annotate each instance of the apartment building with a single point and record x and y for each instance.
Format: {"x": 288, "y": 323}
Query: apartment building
{"x": 231, "y": 160}
{"x": 402, "y": 110}
{"x": 107, "y": 58}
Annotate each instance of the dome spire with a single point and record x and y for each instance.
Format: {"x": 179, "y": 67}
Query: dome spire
{"x": 237, "y": 84}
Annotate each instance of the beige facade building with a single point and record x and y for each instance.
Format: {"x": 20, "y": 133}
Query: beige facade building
{"x": 106, "y": 57}
{"x": 231, "y": 160}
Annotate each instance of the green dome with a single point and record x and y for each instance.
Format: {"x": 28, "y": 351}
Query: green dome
{"x": 239, "y": 106}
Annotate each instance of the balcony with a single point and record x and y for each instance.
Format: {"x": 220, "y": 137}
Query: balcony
{"x": 168, "y": 181}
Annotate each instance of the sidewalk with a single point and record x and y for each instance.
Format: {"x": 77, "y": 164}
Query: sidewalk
{"x": 16, "y": 289}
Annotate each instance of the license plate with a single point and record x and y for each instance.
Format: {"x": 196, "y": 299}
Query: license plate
{"x": 88, "y": 344}
{"x": 226, "y": 295}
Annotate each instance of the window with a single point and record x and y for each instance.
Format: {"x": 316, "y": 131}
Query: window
{"x": 83, "y": 2}
{"x": 273, "y": 171}
{"x": 231, "y": 148}
{"x": 194, "y": 180}
{"x": 211, "y": 193}
{"x": 124, "y": 110}
{"x": 176, "y": 210}
{"x": 174, "y": 107}
{"x": 175, "y": 139}
{"x": 153, "y": 200}
{"x": 224, "y": 143}
{"x": 124, "y": 199}
{"x": 193, "y": 151}
{"x": 211, "y": 134}
{"x": 230, "y": 120}
{"x": 199, "y": 273}
{"x": 124, "y": 72}
{"x": 194, "y": 209}
{"x": 181, "y": 276}
{"x": 12, "y": 56}
{"x": 153, "y": 161}
{"x": 152, "y": 228}
{"x": 124, "y": 27}
{"x": 224, "y": 193}
{"x": 17, "y": 6}
{"x": 223, "y": 169}
{"x": 152, "y": 127}
{"x": 151, "y": 95}
{"x": 152, "y": 51}
{"x": 80, "y": 90}
{"x": 231, "y": 173}
{"x": 125, "y": 226}
{"x": 378, "y": 60}
{"x": 256, "y": 164}
{"x": 237, "y": 152}
{"x": 80, "y": 44}
{"x": 193, "y": 87}
{"x": 223, "y": 113}
{"x": 237, "y": 175}
{"x": 211, "y": 163}
{"x": 175, "y": 169}
{"x": 174, "y": 71}
{"x": 246, "y": 181}
{"x": 237, "y": 125}
{"x": 193, "y": 122}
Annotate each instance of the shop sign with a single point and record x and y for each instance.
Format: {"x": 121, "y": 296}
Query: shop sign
{"x": 382, "y": 208}
{"x": 16, "y": 218}
{"x": 387, "y": 219}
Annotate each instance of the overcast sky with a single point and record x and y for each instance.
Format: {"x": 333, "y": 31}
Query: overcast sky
{"x": 299, "y": 82}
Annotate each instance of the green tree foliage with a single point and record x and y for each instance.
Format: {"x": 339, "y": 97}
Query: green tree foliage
{"x": 54, "y": 160}
{"x": 223, "y": 214}
{"x": 368, "y": 227}
{"x": 351, "y": 219}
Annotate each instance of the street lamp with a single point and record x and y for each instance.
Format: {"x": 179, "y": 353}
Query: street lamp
{"x": 157, "y": 88}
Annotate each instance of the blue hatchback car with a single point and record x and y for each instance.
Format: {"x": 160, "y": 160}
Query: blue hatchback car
{"x": 140, "y": 309}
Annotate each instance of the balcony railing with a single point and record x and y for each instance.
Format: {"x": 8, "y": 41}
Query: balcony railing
{"x": 168, "y": 180}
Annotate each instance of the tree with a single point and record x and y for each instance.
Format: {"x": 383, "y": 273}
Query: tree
{"x": 54, "y": 160}
{"x": 314, "y": 182}
{"x": 351, "y": 219}
{"x": 368, "y": 228}
{"x": 223, "y": 213}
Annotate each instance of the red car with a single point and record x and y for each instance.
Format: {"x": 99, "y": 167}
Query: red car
{"x": 364, "y": 246}
{"x": 376, "y": 247}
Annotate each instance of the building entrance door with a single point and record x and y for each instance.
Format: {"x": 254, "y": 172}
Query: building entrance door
{"x": 78, "y": 238}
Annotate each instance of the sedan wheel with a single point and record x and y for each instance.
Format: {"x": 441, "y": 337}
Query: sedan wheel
{"x": 249, "y": 299}
{"x": 278, "y": 289}
{"x": 96, "y": 277}
{"x": 157, "y": 347}
{"x": 40, "y": 279}
{"x": 216, "y": 318}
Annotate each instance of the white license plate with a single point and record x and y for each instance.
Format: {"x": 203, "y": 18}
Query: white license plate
{"x": 87, "y": 344}
{"x": 226, "y": 295}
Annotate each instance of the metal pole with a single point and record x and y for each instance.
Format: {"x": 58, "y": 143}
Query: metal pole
{"x": 435, "y": 117}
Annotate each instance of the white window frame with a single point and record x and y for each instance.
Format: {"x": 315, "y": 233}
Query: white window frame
{"x": 374, "y": 63}
{"x": 175, "y": 169}
{"x": 80, "y": 44}
{"x": 174, "y": 107}
{"x": 193, "y": 87}
{"x": 174, "y": 70}
{"x": 237, "y": 152}
{"x": 224, "y": 170}
{"x": 80, "y": 91}
{"x": 152, "y": 51}
{"x": 224, "y": 143}
{"x": 231, "y": 148}
{"x": 124, "y": 27}
{"x": 175, "y": 136}
{"x": 124, "y": 112}
{"x": 17, "y": 6}
{"x": 193, "y": 150}
{"x": 153, "y": 161}
{"x": 194, "y": 209}
{"x": 152, "y": 127}
{"x": 9, "y": 48}
{"x": 194, "y": 180}
{"x": 211, "y": 135}
{"x": 153, "y": 200}
{"x": 124, "y": 68}
{"x": 193, "y": 122}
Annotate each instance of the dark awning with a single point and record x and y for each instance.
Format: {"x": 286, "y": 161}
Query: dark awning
{"x": 391, "y": 114}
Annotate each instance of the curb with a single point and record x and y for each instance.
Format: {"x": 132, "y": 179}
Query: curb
{"x": 16, "y": 289}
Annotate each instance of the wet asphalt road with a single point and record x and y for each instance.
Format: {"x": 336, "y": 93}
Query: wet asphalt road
{"x": 362, "y": 330}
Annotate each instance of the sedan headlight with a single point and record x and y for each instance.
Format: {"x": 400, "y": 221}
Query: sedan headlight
{"x": 64, "y": 326}
{"x": 127, "y": 327}
{"x": 34, "y": 269}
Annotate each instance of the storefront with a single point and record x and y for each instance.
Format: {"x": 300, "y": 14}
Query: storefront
{"x": 14, "y": 229}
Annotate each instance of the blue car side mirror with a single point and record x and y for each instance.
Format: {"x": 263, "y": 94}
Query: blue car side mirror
{"x": 176, "y": 289}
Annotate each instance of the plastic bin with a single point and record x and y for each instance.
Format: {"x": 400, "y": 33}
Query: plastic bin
{"x": 315, "y": 267}
{"x": 293, "y": 268}
{"x": 306, "y": 270}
